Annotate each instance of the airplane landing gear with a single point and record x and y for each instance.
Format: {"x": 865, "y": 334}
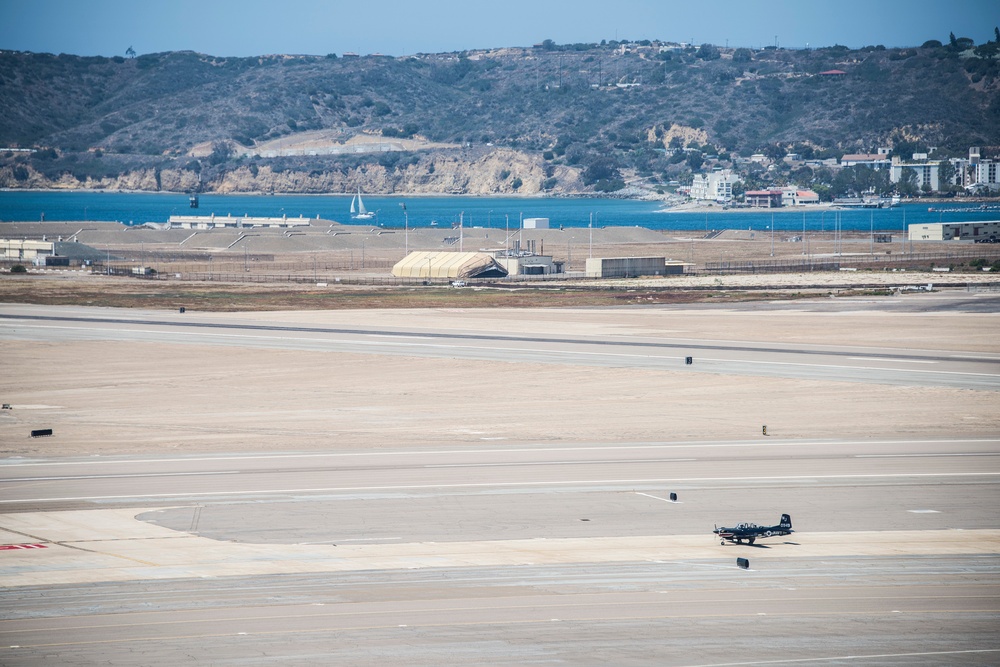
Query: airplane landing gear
{"x": 751, "y": 540}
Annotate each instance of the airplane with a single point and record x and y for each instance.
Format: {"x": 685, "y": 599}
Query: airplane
{"x": 751, "y": 531}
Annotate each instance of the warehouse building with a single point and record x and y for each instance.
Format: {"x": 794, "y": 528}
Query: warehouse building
{"x": 632, "y": 267}
{"x": 980, "y": 232}
{"x": 27, "y": 251}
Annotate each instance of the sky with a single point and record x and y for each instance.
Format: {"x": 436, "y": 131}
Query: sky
{"x": 404, "y": 27}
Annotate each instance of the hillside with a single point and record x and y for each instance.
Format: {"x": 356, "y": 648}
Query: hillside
{"x": 555, "y": 118}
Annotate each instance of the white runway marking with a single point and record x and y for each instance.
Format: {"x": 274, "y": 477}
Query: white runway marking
{"x": 648, "y": 495}
{"x": 354, "y": 489}
{"x": 754, "y": 444}
{"x": 122, "y": 476}
{"x": 922, "y": 456}
{"x": 861, "y": 658}
{"x": 552, "y": 463}
{"x": 896, "y": 361}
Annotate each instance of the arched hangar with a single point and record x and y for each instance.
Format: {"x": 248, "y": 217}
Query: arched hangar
{"x": 448, "y": 266}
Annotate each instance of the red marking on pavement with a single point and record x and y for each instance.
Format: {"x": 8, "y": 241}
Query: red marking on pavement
{"x": 8, "y": 547}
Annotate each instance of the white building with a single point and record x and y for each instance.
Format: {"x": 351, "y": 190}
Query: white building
{"x": 632, "y": 267}
{"x": 793, "y": 196}
{"x": 873, "y": 160}
{"x": 927, "y": 172}
{"x": 986, "y": 174}
{"x": 956, "y": 231}
{"x": 217, "y": 221}
{"x": 716, "y": 186}
{"x": 20, "y": 249}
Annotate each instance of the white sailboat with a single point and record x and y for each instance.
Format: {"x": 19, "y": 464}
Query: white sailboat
{"x": 360, "y": 212}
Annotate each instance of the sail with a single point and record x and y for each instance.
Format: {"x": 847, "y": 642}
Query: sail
{"x": 361, "y": 205}
{"x": 353, "y": 199}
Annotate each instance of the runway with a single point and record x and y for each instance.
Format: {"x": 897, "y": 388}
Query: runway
{"x": 510, "y": 555}
{"x": 484, "y": 548}
{"x": 851, "y": 364}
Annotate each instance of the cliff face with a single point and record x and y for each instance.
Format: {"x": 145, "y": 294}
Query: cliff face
{"x": 500, "y": 171}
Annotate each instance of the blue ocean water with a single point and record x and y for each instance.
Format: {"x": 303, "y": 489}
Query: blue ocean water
{"x": 496, "y": 212}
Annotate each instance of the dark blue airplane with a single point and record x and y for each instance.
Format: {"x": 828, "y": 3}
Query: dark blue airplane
{"x": 751, "y": 531}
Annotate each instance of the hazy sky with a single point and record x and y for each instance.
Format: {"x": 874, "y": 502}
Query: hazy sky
{"x": 400, "y": 27}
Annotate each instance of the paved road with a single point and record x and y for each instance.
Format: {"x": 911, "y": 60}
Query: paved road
{"x": 934, "y": 368}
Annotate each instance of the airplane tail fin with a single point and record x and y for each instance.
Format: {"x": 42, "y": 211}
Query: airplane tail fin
{"x": 786, "y": 522}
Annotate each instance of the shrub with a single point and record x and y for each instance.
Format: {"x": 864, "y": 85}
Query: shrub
{"x": 17, "y": 268}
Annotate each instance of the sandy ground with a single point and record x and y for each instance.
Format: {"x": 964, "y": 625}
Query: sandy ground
{"x": 112, "y": 397}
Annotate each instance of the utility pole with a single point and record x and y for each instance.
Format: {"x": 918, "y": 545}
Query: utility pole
{"x": 591, "y": 253}
{"x": 772, "y": 235}
{"x": 406, "y": 230}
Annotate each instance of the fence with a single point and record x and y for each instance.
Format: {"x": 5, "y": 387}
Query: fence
{"x": 867, "y": 261}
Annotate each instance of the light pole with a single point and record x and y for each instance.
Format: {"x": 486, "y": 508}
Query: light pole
{"x": 591, "y": 252}
{"x": 871, "y": 237}
{"x": 772, "y": 235}
{"x": 406, "y": 234}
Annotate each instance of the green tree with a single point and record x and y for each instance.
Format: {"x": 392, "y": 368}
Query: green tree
{"x": 601, "y": 169}
{"x": 708, "y": 52}
{"x": 946, "y": 176}
{"x": 907, "y": 185}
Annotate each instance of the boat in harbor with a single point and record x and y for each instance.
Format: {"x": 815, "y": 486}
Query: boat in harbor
{"x": 358, "y": 210}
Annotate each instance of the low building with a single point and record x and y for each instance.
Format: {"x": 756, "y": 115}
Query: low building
{"x": 632, "y": 267}
{"x": 980, "y": 232}
{"x": 795, "y": 197}
{"x": 448, "y": 266}
{"x": 763, "y": 198}
{"x": 873, "y": 160}
{"x": 219, "y": 221}
{"x": 535, "y": 223}
{"x": 18, "y": 250}
{"x": 528, "y": 264}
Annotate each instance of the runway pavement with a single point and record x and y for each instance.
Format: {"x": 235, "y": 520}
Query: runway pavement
{"x": 509, "y": 555}
{"x": 933, "y": 368}
{"x": 510, "y": 552}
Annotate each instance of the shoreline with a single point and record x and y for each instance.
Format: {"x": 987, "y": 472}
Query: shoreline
{"x": 685, "y": 207}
